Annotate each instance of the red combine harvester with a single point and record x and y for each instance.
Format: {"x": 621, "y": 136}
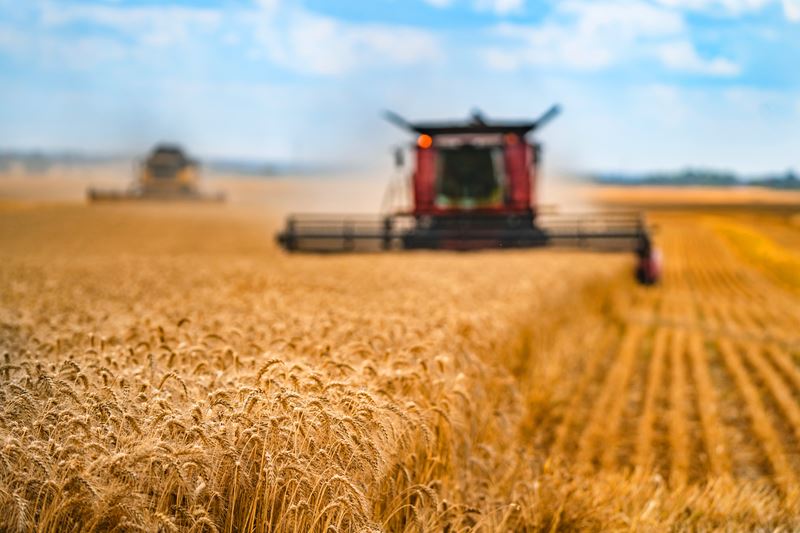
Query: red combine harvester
{"x": 473, "y": 187}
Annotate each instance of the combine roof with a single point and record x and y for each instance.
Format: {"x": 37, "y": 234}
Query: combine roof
{"x": 170, "y": 152}
{"x": 477, "y": 123}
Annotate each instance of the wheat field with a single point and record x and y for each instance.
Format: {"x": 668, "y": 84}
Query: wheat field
{"x": 166, "y": 368}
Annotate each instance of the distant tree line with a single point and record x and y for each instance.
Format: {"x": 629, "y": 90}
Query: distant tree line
{"x": 700, "y": 177}
{"x": 36, "y": 162}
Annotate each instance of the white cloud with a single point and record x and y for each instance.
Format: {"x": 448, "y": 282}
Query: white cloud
{"x": 288, "y": 36}
{"x": 269, "y": 5}
{"x": 138, "y": 33}
{"x": 309, "y": 42}
{"x": 732, "y": 7}
{"x": 625, "y": 16}
{"x": 439, "y": 3}
{"x": 12, "y": 40}
{"x": 583, "y": 35}
{"x": 681, "y": 55}
{"x": 83, "y": 53}
{"x": 152, "y": 25}
{"x": 791, "y": 8}
{"x": 500, "y": 7}
{"x": 667, "y": 126}
{"x": 80, "y": 53}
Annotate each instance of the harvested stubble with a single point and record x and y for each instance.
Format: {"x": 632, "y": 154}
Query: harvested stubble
{"x": 705, "y": 370}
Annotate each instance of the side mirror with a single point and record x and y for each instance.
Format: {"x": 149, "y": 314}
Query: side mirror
{"x": 399, "y": 158}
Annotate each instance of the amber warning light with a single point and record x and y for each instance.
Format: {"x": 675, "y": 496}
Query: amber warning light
{"x": 424, "y": 141}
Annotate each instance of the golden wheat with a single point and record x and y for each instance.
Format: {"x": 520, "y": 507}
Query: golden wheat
{"x": 167, "y": 369}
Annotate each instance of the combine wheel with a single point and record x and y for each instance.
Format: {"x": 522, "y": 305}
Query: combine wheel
{"x": 648, "y": 269}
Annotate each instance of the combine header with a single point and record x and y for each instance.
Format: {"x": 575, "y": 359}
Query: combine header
{"x": 473, "y": 187}
{"x": 166, "y": 174}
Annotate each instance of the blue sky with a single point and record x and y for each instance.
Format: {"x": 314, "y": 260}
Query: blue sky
{"x": 645, "y": 84}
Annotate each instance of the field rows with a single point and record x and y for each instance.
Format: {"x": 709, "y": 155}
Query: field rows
{"x": 702, "y": 381}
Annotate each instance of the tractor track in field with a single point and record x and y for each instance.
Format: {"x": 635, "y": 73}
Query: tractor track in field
{"x": 702, "y": 380}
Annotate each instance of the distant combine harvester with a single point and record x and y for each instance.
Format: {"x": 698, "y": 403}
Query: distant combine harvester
{"x": 167, "y": 174}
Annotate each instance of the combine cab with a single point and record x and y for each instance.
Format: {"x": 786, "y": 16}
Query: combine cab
{"x": 473, "y": 187}
{"x": 166, "y": 174}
